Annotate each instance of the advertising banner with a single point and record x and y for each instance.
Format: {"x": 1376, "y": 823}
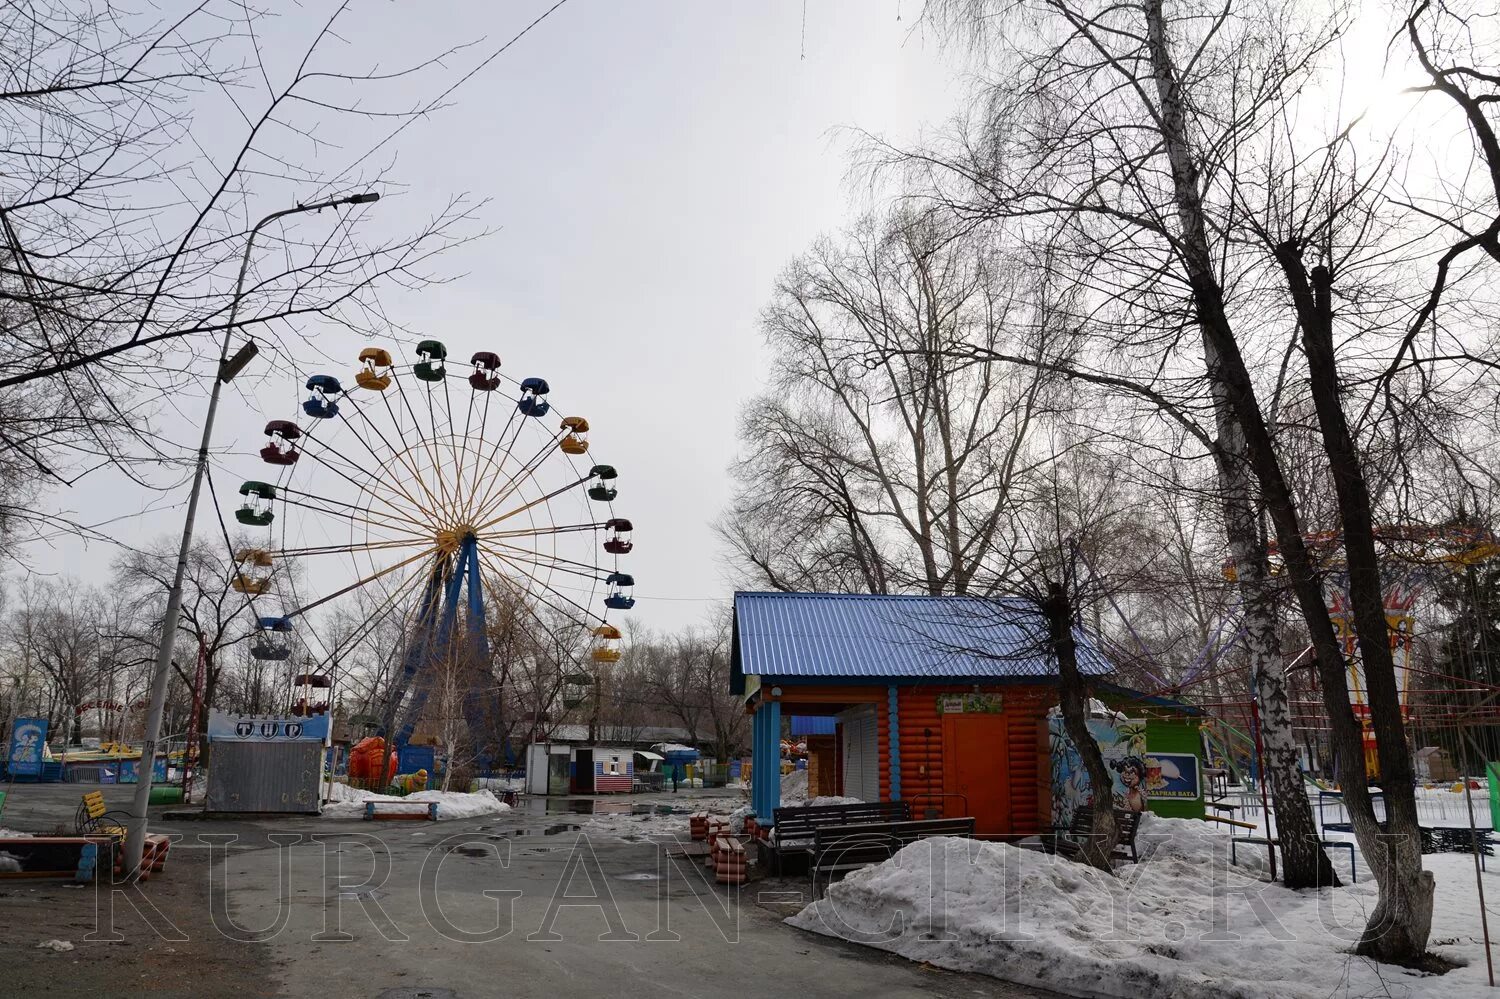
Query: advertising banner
{"x": 1173, "y": 776}
{"x": 28, "y": 743}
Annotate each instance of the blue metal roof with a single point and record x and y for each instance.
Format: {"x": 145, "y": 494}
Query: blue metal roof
{"x": 813, "y": 725}
{"x": 848, "y": 635}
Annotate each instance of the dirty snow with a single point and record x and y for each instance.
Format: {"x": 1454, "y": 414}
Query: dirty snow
{"x": 651, "y": 826}
{"x": 349, "y": 803}
{"x": 1182, "y": 923}
{"x": 794, "y": 787}
{"x": 57, "y": 945}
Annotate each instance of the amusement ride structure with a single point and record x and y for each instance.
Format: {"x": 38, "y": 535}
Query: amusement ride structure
{"x": 432, "y": 489}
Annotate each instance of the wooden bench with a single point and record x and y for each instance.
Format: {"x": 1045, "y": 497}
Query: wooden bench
{"x": 375, "y": 810}
{"x": 795, "y": 826}
{"x": 848, "y": 848}
{"x": 95, "y": 819}
{"x": 1082, "y": 828}
{"x": 79, "y": 858}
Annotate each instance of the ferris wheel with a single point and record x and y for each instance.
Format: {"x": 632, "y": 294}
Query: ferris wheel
{"x": 429, "y": 494}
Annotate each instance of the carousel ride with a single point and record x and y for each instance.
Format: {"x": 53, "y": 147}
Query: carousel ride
{"x": 428, "y": 491}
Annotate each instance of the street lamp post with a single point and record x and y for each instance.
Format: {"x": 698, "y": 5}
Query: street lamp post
{"x": 135, "y": 840}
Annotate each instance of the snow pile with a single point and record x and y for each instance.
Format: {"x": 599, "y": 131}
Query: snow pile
{"x": 1181, "y": 923}
{"x": 498, "y": 784}
{"x": 833, "y": 799}
{"x": 349, "y": 803}
{"x": 13, "y": 834}
{"x": 794, "y": 787}
{"x": 737, "y": 818}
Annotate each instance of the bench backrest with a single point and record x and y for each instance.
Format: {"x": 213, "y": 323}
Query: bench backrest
{"x": 895, "y": 834}
{"x": 93, "y": 805}
{"x": 1127, "y": 822}
{"x": 800, "y": 822}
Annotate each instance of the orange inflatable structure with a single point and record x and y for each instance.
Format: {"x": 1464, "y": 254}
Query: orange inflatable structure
{"x": 365, "y": 761}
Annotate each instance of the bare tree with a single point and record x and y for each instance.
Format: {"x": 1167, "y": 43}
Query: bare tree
{"x": 892, "y": 464}
{"x": 138, "y": 152}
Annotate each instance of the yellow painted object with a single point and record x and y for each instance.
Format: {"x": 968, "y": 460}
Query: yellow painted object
{"x": 376, "y": 373}
{"x": 411, "y": 783}
{"x": 257, "y": 579}
{"x": 576, "y": 441}
{"x": 250, "y": 584}
{"x": 606, "y": 649}
{"x": 95, "y": 810}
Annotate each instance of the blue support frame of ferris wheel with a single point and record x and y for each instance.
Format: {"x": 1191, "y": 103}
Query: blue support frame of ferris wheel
{"x": 426, "y": 647}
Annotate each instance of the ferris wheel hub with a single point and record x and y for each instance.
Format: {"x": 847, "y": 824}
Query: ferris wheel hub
{"x": 451, "y": 539}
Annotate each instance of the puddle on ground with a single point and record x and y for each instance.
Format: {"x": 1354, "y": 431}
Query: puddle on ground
{"x": 593, "y": 806}
{"x": 639, "y": 877}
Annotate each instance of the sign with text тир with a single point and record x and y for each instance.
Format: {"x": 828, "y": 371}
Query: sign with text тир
{"x": 265, "y": 728}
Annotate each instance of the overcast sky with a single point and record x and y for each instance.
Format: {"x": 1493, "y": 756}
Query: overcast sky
{"x": 650, "y": 167}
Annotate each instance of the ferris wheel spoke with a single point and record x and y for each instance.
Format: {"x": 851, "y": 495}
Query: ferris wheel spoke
{"x": 433, "y": 448}
{"x": 345, "y": 549}
{"x": 479, "y": 462}
{"x": 396, "y": 422}
{"x": 510, "y": 446}
{"x": 583, "y": 568}
{"x": 543, "y": 586}
{"x": 527, "y": 532}
{"x": 421, "y": 528}
{"x": 356, "y": 518}
{"x": 458, "y": 462}
{"x": 375, "y": 486}
{"x": 374, "y": 619}
{"x": 528, "y": 470}
{"x": 397, "y": 455}
{"x": 525, "y": 597}
{"x": 428, "y": 445}
{"x": 489, "y": 460}
{"x": 536, "y": 502}
{"x": 366, "y": 581}
{"x": 386, "y": 479}
{"x": 513, "y": 555}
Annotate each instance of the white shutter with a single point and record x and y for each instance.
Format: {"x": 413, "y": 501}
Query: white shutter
{"x": 861, "y": 757}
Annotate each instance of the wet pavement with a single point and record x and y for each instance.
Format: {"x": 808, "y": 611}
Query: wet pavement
{"x": 538, "y": 902}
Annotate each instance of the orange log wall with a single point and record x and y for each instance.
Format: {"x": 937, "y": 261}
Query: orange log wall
{"x": 1025, "y": 711}
{"x": 922, "y": 755}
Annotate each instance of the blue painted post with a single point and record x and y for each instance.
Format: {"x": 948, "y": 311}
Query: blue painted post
{"x": 895, "y": 727}
{"x": 773, "y": 747}
{"x": 757, "y": 762}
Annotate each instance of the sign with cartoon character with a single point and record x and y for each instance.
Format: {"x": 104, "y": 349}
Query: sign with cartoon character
{"x": 1122, "y": 742}
{"x": 28, "y": 746}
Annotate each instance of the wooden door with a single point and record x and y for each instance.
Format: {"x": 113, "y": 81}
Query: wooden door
{"x": 976, "y": 764}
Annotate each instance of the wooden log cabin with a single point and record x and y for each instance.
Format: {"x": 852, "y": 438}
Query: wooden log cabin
{"x": 938, "y": 700}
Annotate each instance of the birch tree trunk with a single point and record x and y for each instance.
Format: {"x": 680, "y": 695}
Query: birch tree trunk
{"x": 1398, "y": 928}
{"x": 1305, "y": 864}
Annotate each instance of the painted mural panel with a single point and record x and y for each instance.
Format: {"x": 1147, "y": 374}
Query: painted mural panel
{"x": 1122, "y": 741}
